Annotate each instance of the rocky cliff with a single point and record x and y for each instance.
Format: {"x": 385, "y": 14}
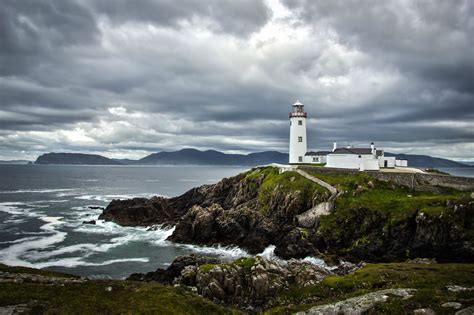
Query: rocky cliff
{"x": 371, "y": 220}
{"x": 251, "y": 210}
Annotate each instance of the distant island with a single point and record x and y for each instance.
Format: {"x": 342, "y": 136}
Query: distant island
{"x": 212, "y": 157}
{"x": 75, "y": 159}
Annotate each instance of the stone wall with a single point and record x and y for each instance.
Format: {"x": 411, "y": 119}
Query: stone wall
{"x": 415, "y": 181}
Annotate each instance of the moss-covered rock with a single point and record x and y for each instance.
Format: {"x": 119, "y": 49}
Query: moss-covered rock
{"x": 433, "y": 284}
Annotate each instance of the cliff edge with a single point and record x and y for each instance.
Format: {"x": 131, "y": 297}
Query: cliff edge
{"x": 371, "y": 219}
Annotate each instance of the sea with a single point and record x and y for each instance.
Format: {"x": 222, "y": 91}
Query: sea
{"x": 42, "y": 209}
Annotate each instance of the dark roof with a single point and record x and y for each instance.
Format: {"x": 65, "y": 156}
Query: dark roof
{"x": 357, "y": 151}
{"x": 318, "y": 153}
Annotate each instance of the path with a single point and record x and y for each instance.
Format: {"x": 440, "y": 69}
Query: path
{"x": 318, "y": 181}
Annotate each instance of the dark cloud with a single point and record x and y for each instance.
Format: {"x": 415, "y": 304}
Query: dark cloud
{"x": 126, "y": 78}
{"x": 235, "y": 17}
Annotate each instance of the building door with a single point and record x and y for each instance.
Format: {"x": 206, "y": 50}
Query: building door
{"x": 385, "y": 163}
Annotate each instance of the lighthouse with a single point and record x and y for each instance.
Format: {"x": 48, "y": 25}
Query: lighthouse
{"x": 298, "y": 146}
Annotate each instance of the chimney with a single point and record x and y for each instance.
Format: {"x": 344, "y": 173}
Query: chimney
{"x": 372, "y": 148}
{"x": 334, "y": 146}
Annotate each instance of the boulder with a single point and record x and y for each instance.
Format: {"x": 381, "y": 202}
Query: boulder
{"x": 168, "y": 275}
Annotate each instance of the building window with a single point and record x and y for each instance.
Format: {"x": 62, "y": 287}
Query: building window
{"x": 300, "y": 159}
{"x": 300, "y": 139}
{"x": 300, "y": 122}
{"x": 315, "y": 159}
{"x": 360, "y": 156}
{"x": 290, "y": 122}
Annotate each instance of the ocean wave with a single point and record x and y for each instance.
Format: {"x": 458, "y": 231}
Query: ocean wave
{"x": 224, "y": 252}
{"x": 39, "y": 191}
{"x": 108, "y": 198}
{"x": 49, "y": 201}
{"x": 269, "y": 253}
{"x": 20, "y": 209}
{"x": 16, "y": 254}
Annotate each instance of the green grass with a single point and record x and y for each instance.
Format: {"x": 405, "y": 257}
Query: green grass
{"x": 245, "y": 262}
{"x": 394, "y": 201}
{"x": 91, "y": 297}
{"x": 32, "y": 271}
{"x": 206, "y": 267}
{"x": 429, "y": 280}
{"x": 286, "y": 182}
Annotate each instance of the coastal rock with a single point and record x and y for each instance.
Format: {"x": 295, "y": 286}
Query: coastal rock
{"x": 296, "y": 244}
{"x": 364, "y": 234}
{"x": 251, "y": 281}
{"x": 360, "y": 304}
{"x": 262, "y": 207}
{"x": 424, "y": 311}
{"x": 180, "y": 263}
{"x": 454, "y": 305}
{"x": 310, "y": 218}
{"x": 465, "y": 311}
{"x": 242, "y": 219}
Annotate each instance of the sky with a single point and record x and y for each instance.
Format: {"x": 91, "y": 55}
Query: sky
{"x": 128, "y": 78}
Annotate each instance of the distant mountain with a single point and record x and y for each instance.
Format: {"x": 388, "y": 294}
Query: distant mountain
{"x": 211, "y": 157}
{"x": 75, "y": 159}
{"x": 14, "y": 162}
{"x": 426, "y": 161}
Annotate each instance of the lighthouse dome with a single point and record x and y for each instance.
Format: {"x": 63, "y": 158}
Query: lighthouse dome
{"x": 297, "y": 103}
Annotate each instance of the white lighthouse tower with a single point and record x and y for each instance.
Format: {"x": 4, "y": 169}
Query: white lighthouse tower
{"x": 298, "y": 147}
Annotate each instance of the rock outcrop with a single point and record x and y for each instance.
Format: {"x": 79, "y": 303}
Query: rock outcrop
{"x": 246, "y": 282}
{"x": 251, "y": 210}
{"x": 363, "y": 234}
{"x": 262, "y": 207}
{"x": 359, "y": 304}
{"x": 168, "y": 275}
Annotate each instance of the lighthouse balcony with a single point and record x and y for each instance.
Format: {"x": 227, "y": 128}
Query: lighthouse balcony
{"x": 298, "y": 114}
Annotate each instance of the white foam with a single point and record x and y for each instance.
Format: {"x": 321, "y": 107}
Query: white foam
{"x": 225, "y": 252}
{"x": 188, "y": 180}
{"x": 19, "y": 209}
{"x": 106, "y": 198}
{"x": 10, "y": 208}
{"x": 77, "y": 261}
{"x": 14, "y": 254}
{"x": 315, "y": 261}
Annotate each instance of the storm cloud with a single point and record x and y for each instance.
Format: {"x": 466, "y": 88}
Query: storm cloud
{"x": 128, "y": 78}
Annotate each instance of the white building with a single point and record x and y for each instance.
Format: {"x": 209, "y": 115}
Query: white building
{"x": 364, "y": 159}
{"x": 298, "y": 146}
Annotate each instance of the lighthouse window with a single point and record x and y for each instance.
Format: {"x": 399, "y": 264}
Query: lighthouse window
{"x": 300, "y": 122}
{"x": 300, "y": 139}
{"x": 300, "y": 159}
